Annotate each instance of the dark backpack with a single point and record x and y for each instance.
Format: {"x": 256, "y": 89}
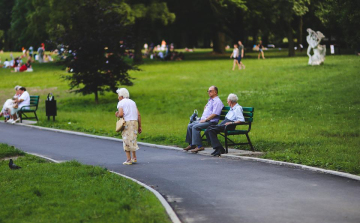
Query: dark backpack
{"x": 194, "y": 116}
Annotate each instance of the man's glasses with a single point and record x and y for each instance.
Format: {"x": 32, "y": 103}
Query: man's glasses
{"x": 209, "y": 91}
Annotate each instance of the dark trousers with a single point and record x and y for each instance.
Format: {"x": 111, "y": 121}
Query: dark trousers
{"x": 212, "y": 132}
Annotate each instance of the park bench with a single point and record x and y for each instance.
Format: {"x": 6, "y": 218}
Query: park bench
{"x": 248, "y": 113}
{"x": 34, "y": 102}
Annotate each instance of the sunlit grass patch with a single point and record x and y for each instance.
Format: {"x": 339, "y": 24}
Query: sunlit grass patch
{"x": 71, "y": 192}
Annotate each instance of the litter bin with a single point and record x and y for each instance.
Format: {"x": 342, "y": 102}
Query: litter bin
{"x": 50, "y": 106}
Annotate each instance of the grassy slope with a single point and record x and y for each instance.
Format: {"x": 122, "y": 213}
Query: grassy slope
{"x": 46, "y": 192}
{"x": 303, "y": 114}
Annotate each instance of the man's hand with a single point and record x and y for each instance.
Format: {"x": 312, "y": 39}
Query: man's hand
{"x": 229, "y": 123}
{"x": 202, "y": 121}
{"x": 116, "y": 113}
{"x": 139, "y": 130}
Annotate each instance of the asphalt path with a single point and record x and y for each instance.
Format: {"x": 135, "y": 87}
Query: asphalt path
{"x": 208, "y": 189}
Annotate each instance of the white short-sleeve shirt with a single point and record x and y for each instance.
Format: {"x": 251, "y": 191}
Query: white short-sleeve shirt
{"x": 26, "y": 97}
{"x": 129, "y": 108}
{"x": 235, "y": 53}
{"x": 235, "y": 114}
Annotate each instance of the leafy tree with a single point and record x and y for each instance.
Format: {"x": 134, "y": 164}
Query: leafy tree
{"x": 28, "y": 23}
{"x": 342, "y": 16}
{"x": 143, "y": 15}
{"x": 92, "y": 34}
{"x": 5, "y": 22}
{"x": 221, "y": 11}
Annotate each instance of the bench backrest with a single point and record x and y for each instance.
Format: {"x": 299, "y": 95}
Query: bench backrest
{"x": 248, "y": 113}
{"x": 34, "y": 100}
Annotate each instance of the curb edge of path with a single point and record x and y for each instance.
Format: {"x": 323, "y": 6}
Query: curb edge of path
{"x": 170, "y": 212}
{"x": 281, "y": 163}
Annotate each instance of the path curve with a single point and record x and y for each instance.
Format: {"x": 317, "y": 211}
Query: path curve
{"x": 207, "y": 189}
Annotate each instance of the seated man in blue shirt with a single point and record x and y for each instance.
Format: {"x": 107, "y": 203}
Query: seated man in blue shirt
{"x": 235, "y": 115}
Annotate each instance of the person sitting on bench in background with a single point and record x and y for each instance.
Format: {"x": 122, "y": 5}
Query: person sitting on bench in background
{"x": 23, "y": 100}
{"x": 235, "y": 115}
{"x": 209, "y": 117}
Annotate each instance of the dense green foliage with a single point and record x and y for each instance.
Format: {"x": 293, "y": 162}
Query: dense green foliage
{"x": 94, "y": 59}
{"x": 46, "y": 192}
{"x": 303, "y": 114}
{"x": 188, "y": 23}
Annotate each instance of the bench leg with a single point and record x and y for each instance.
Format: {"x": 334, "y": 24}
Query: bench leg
{"x": 36, "y": 116}
{"x": 248, "y": 138}
{"x": 20, "y": 117}
{"x": 226, "y": 144}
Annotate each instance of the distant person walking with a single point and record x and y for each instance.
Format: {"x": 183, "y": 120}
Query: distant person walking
{"x": 235, "y": 55}
{"x": 128, "y": 110}
{"x": 261, "y": 51}
{"x": 40, "y": 55}
{"x": 241, "y": 54}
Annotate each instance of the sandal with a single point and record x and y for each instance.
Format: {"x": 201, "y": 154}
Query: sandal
{"x": 127, "y": 162}
{"x": 134, "y": 160}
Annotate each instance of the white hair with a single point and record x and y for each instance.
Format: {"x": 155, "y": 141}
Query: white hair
{"x": 123, "y": 92}
{"x": 232, "y": 97}
{"x": 17, "y": 87}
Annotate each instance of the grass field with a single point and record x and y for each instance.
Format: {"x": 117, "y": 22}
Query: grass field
{"x": 303, "y": 114}
{"x": 47, "y": 192}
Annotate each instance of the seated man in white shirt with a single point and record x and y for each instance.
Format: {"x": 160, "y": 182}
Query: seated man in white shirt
{"x": 234, "y": 115}
{"x": 23, "y": 100}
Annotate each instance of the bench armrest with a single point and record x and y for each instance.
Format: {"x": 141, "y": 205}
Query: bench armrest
{"x": 236, "y": 124}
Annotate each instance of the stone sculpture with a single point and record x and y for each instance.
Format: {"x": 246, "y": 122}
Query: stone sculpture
{"x": 319, "y": 51}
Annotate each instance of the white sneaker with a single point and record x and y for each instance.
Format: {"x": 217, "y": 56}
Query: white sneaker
{"x": 17, "y": 120}
{"x": 10, "y": 120}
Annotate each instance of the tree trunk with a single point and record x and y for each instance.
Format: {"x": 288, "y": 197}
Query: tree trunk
{"x": 7, "y": 41}
{"x": 137, "y": 51}
{"x": 96, "y": 97}
{"x": 300, "y": 39}
{"x": 290, "y": 39}
{"x": 138, "y": 44}
{"x": 219, "y": 42}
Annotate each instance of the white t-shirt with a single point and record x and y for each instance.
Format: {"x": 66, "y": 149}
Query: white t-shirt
{"x": 26, "y": 97}
{"x": 6, "y": 64}
{"x": 235, "y": 53}
{"x": 129, "y": 108}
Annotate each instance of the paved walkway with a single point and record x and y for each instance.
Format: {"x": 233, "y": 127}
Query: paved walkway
{"x": 208, "y": 189}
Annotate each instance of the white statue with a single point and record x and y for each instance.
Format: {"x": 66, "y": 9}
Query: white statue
{"x": 313, "y": 39}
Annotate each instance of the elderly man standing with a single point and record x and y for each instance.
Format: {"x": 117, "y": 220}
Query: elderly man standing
{"x": 209, "y": 117}
{"x": 235, "y": 115}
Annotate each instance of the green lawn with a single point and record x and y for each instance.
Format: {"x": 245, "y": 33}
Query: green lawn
{"x": 70, "y": 192}
{"x": 303, "y": 114}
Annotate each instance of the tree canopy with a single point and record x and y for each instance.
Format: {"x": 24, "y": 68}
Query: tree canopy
{"x": 187, "y": 23}
{"x": 94, "y": 58}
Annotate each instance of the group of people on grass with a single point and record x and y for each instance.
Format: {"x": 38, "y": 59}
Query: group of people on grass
{"x": 128, "y": 110}
{"x": 13, "y": 106}
{"x": 17, "y": 65}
